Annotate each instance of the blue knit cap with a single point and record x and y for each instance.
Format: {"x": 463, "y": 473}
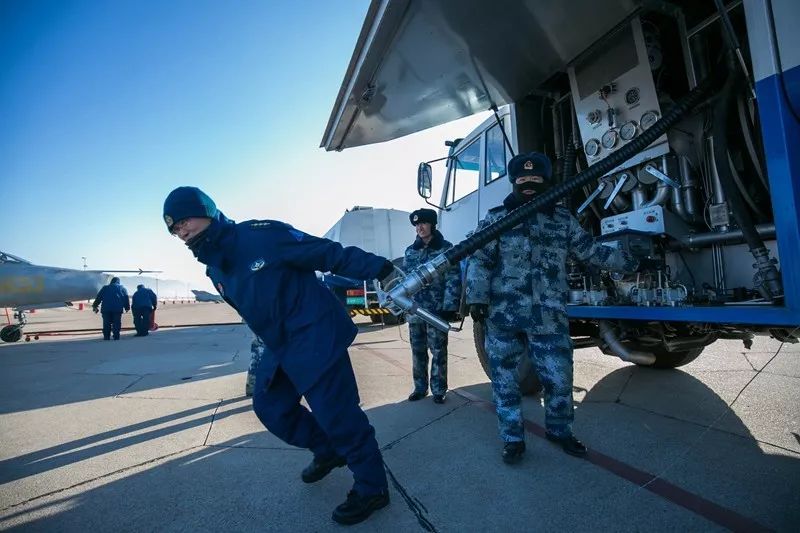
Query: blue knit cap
{"x": 532, "y": 164}
{"x": 185, "y": 202}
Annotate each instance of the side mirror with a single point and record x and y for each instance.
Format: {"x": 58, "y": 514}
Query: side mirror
{"x": 424, "y": 180}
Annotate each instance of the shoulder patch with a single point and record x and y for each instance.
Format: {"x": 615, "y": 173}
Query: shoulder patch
{"x": 297, "y": 234}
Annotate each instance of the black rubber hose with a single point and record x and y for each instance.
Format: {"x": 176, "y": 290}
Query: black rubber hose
{"x": 720, "y": 133}
{"x": 490, "y": 233}
{"x": 770, "y": 285}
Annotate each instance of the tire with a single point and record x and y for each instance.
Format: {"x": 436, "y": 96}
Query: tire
{"x": 529, "y": 384}
{"x": 665, "y": 359}
{"x": 391, "y": 320}
{"x": 11, "y": 333}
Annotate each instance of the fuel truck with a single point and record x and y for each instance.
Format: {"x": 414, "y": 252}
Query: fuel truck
{"x": 674, "y": 128}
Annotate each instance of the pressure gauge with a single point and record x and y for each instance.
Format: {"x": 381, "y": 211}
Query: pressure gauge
{"x": 628, "y": 131}
{"x": 592, "y": 148}
{"x": 609, "y": 139}
{"x": 632, "y": 96}
{"x": 595, "y": 117}
{"x": 648, "y": 119}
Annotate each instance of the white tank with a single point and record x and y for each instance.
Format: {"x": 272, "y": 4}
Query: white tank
{"x": 385, "y": 232}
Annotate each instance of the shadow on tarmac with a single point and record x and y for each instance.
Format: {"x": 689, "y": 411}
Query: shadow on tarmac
{"x": 44, "y": 374}
{"x": 234, "y": 487}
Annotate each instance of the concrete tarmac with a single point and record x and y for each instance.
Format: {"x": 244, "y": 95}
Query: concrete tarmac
{"x": 155, "y": 434}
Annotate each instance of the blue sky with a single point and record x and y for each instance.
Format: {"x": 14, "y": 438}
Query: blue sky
{"x": 107, "y": 106}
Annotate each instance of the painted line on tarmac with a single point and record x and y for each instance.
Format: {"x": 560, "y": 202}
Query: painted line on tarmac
{"x": 709, "y": 510}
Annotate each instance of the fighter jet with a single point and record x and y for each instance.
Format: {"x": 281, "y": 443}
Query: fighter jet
{"x": 203, "y": 296}
{"x": 25, "y": 286}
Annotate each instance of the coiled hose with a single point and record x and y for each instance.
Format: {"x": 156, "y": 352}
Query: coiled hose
{"x": 768, "y": 280}
{"x": 517, "y": 216}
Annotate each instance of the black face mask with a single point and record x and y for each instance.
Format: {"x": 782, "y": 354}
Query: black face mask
{"x": 538, "y": 188}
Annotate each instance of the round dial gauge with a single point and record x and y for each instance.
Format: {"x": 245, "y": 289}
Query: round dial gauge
{"x": 628, "y": 131}
{"x": 632, "y": 96}
{"x": 595, "y": 116}
{"x": 609, "y": 139}
{"x": 592, "y": 148}
{"x": 648, "y": 119}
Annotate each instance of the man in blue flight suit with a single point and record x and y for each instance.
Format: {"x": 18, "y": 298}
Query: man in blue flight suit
{"x": 113, "y": 299}
{"x": 441, "y": 298}
{"x": 266, "y": 271}
{"x": 517, "y": 285}
{"x": 143, "y": 303}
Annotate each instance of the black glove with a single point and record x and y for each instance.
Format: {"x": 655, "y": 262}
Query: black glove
{"x": 450, "y": 316}
{"x": 95, "y": 309}
{"x": 478, "y": 312}
{"x": 648, "y": 265}
{"x": 386, "y": 270}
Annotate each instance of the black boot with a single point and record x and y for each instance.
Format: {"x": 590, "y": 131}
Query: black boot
{"x": 358, "y": 508}
{"x": 416, "y": 395}
{"x": 318, "y": 469}
{"x": 513, "y": 452}
{"x": 569, "y": 444}
{"x": 438, "y": 398}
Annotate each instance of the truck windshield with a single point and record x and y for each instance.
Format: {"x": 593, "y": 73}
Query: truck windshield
{"x": 496, "y": 154}
{"x": 466, "y": 172}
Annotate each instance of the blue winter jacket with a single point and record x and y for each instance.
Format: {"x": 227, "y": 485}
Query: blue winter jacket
{"x": 266, "y": 271}
{"x": 113, "y": 297}
{"x": 144, "y": 297}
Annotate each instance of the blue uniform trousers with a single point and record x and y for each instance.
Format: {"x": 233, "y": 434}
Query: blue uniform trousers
{"x": 141, "y": 319}
{"x": 336, "y": 424}
{"x": 112, "y": 322}
{"x": 551, "y": 356}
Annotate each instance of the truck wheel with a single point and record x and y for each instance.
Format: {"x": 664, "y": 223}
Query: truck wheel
{"x": 665, "y": 359}
{"x": 391, "y": 320}
{"x": 376, "y": 319}
{"x": 526, "y": 376}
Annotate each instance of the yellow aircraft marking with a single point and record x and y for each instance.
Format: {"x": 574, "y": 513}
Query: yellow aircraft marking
{"x": 22, "y": 285}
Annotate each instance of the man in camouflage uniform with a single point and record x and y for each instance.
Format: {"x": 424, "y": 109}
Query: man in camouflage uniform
{"x": 442, "y": 298}
{"x": 518, "y": 285}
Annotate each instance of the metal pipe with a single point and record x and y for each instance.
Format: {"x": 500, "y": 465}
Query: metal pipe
{"x": 712, "y": 19}
{"x": 689, "y": 343}
{"x": 620, "y": 350}
{"x": 702, "y": 240}
{"x": 639, "y": 197}
{"x": 689, "y": 188}
{"x": 621, "y": 203}
{"x": 662, "y": 194}
{"x": 718, "y": 195}
{"x": 676, "y": 204}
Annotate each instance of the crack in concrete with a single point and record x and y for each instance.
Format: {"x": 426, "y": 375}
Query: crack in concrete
{"x": 419, "y": 511}
{"x": 211, "y": 424}
{"x": 129, "y": 397}
{"x": 134, "y": 382}
{"x": 274, "y": 448}
{"x": 624, "y": 386}
{"x": 97, "y": 478}
{"x": 389, "y": 446}
{"x": 749, "y": 437}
